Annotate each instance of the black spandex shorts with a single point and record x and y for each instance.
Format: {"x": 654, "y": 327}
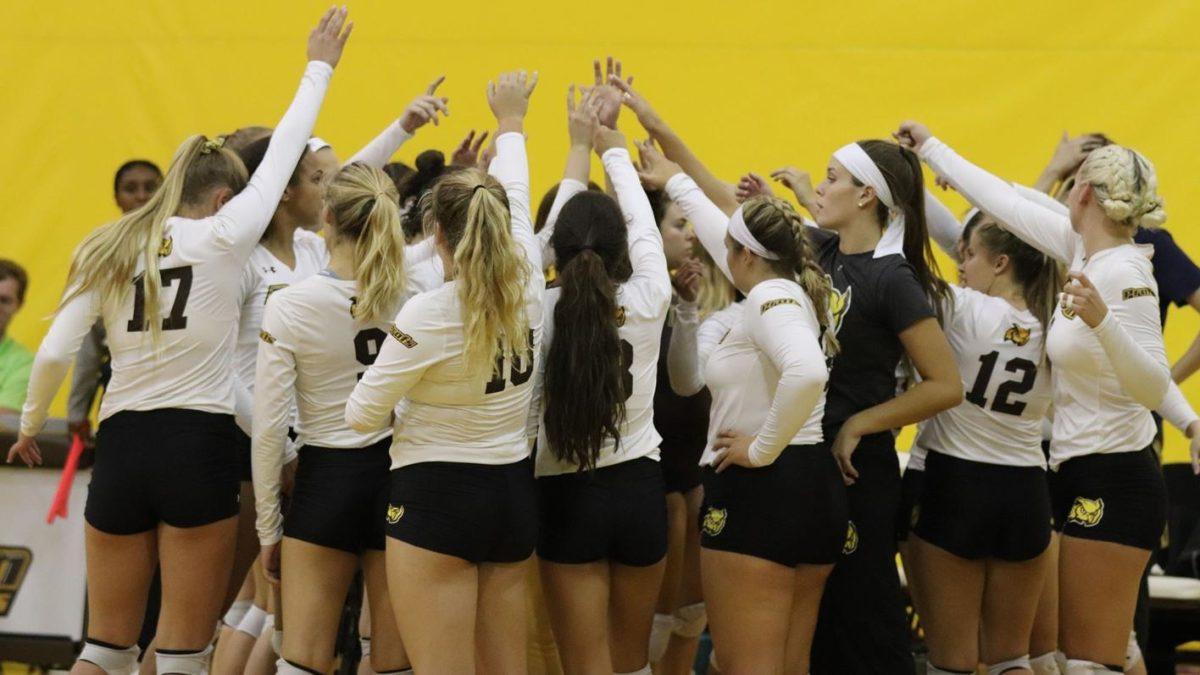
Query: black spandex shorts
{"x": 340, "y": 498}
{"x": 1119, "y": 498}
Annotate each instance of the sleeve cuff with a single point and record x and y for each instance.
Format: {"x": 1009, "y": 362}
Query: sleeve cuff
{"x": 676, "y": 185}
{"x": 320, "y": 67}
{"x": 615, "y": 154}
{"x": 931, "y": 145}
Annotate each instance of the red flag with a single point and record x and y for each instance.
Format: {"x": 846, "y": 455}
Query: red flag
{"x": 59, "y": 507}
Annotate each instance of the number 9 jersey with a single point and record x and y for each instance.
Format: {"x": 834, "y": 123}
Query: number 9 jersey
{"x": 1000, "y": 354}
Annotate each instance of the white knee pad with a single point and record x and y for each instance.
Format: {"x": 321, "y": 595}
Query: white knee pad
{"x": 277, "y": 641}
{"x": 183, "y": 663}
{"x": 1081, "y": 667}
{"x": 644, "y": 670}
{"x": 268, "y": 625}
{"x": 931, "y": 669}
{"x": 660, "y": 635}
{"x": 1133, "y": 653}
{"x": 252, "y": 623}
{"x": 1046, "y": 664}
{"x": 1061, "y": 659}
{"x": 364, "y": 647}
{"x": 111, "y": 660}
{"x": 1019, "y": 663}
{"x": 283, "y": 667}
{"x": 690, "y": 620}
{"x": 237, "y": 612}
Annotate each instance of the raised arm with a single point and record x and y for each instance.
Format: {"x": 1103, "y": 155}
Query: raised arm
{"x": 650, "y": 281}
{"x": 718, "y": 191}
{"x": 274, "y": 394}
{"x": 711, "y": 223}
{"x": 1040, "y": 227}
{"x": 423, "y": 110}
{"x": 240, "y": 223}
{"x": 581, "y": 127}
{"x": 508, "y": 98}
{"x": 944, "y": 228}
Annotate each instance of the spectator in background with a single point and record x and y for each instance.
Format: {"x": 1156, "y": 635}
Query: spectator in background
{"x": 133, "y": 185}
{"x": 15, "y": 360}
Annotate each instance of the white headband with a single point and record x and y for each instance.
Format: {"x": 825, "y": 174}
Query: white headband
{"x": 861, "y": 166}
{"x": 315, "y": 143}
{"x": 741, "y": 234}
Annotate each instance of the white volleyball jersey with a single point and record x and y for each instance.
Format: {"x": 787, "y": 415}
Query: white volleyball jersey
{"x": 767, "y": 375}
{"x": 312, "y": 354}
{"x": 999, "y": 351}
{"x": 642, "y": 303}
{"x": 264, "y": 275}
{"x": 200, "y": 265}
{"x": 452, "y": 414}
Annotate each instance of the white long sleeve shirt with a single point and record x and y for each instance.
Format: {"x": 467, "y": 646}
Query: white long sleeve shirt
{"x": 454, "y": 415}
{"x": 313, "y": 352}
{"x": 200, "y": 263}
{"x": 643, "y": 301}
{"x": 693, "y": 341}
{"x": 1106, "y": 379}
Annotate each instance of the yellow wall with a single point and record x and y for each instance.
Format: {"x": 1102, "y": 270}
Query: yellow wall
{"x": 752, "y": 85}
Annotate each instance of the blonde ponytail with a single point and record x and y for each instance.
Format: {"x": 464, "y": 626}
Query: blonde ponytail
{"x": 366, "y": 210}
{"x": 106, "y": 260}
{"x": 472, "y": 212}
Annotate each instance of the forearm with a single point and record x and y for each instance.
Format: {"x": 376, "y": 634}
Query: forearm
{"x": 1188, "y": 363}
{"x": 683, "y": 362}
{"x": 920, "y": 402}
{"x": 719, "y": 192}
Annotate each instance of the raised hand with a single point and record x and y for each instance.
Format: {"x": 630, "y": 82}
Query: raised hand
{"x": 467, "y": 152}
{"x": 582, "y": 117}
{"x": 799, "y": 182}
{"x": 637, "y": 103}
{"x": 653, "y": 166}
{"x": 686, "y": 280}
{"x": 508, "y": 95}
{"x": 912, "y": 135}
{"x": 327, "y": 40}
{"x": 608, "y": 96}
{"x": 607, "y": 138}
{"x": 425, "y": 108}
{"x": 751, "y": 185}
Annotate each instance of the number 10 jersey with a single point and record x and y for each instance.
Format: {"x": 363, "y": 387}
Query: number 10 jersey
{"x": 1000, "y": 354}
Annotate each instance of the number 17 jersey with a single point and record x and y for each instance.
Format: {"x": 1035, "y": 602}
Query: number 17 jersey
{"x": 1000, "y": 354}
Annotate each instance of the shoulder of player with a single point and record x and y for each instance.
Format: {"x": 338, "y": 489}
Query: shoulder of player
{"x": 776, "y": 293}
{"x": 1124, "y": 274}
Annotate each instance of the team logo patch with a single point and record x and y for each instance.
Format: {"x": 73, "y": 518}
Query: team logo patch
{"x": 714, "y": 521}
{"x": 266, "y": 337}
{"x": 394, "y": 514}
{"x": 1017, "y": 335}
{"x": 620, "y": 315}
{"x": 164, "y": 249}
{"x": 14, "y": 564}
{"x": 1086, "y": 512}
{"x": 839, "y": 304}
{"x": 1139, "y": 292}
{"x": 851, "y": 544}
{"x": 1068, "y": 312}
{"x": 402, "y": 337}
{"x": 770, "y": 304}
{"x": 353, "y": 304}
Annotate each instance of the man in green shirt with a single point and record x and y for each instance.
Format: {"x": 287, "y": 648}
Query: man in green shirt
{"x": 15, "y": 360}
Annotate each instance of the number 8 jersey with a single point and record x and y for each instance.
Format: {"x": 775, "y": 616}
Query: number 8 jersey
{"x": 1000, "y": 354}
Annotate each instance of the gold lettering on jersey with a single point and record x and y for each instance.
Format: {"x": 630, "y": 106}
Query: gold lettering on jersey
{"x": 394, "y": 514}
{"x": 1017, "y": 335}
{"x": 164, "y": 249}
{"x": 770, "y": 304}
{"x": 851, "y": 544}
{"x": 1068, "y": 312}
{"x": 1086, "y": 512}
{"x": 266, "y": 337}
{"x": 402, "y": 337}
{"x": 620, "y": 315}
{"x": 839, "y": 303}
{"x": 714, "y": 521}
{"x": 14, "y": 564}
{"x": 271, "y": 289}
{"x": 1140, "y": 292}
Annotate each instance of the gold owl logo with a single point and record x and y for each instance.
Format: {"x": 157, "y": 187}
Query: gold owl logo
{"x": 266, "y": 337}
{"x": 1086, "y": 512}
{"x": 714, "y": 521}
{"x": 1068, "y": 312}
{"x": 620, "y": 315}
{"x": 394, "y": 514}
{"x": 1017, "y": 335}
{"x": 164, "y": 249}
{"x": 839, "y": 304}
{"x": 851, "y": 544}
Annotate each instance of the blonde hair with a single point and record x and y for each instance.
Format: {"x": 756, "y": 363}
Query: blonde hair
{"x": 472, "y": 213}
{"x": 106, "y": 260}
{"x": 366, "y": 210}
{"x": 1126, "y": 186}
{"x": 780, "y": 229}
{"x": 716, "y": 292}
